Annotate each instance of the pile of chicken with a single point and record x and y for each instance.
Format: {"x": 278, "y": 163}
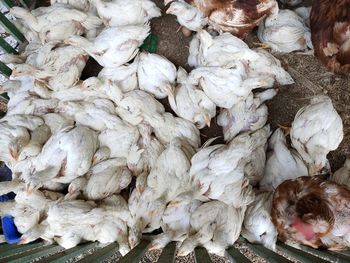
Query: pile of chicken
{"x": 100, "y": 160}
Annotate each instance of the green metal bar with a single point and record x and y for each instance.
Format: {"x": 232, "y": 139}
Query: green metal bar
{"x": 168, "y": 253}
{"x": 237, "y": 256}
{"x": 101, "y": 254}
{"x": 5, "y": 70}
{"x": 300, "y": 254}
{"x": 7, "y": 47}
{"x": 136, "y": 253}
{"x": 8, "y": 3}
{"x": 32, "y": 254}
{"x": 339, "y": 255}
{"x": 68, "y": 254}
{"x": 201, "y": 255}
{"x": 15, "y": 249}
{"x": 267, "y": 254}
{"x": 10, "y": 28}
{"x": 329, "y": 255}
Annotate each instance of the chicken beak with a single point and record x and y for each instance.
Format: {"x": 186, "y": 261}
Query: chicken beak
{"x": 153, "y": 246}
{"x": 169, "y": 11}
{"x": 29, "y": 189}
{"x": 170, "y": 90}
{"x": 207, "y": 120}
{"x": 14, "y": 153}
{"x": 22, "y": 241}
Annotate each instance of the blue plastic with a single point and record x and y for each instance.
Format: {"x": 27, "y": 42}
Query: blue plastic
{"x": 5, "y": 173}
{"x": 12, "y": 236}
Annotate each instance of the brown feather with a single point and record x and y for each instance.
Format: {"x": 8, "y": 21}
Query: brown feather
{"x": 317, "y": 202}
{"x": 238, "y": 17}
{"x": 330, "y": 31}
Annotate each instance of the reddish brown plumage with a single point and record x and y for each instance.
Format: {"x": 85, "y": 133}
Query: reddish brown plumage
{"x": 238, "y": 17}
{"x": 330, "y": 30}
{"x": 312, "y": 211}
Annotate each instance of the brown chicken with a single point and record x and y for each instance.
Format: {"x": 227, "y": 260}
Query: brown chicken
{"x": 312, "y": 211}
{"x": 238, "y": 17}
{"x": 330, "y": 32}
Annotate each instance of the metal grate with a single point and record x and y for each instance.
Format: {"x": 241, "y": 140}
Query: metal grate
{"x": 55, "y": 254}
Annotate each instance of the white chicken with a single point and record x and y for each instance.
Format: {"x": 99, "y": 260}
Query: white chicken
{"x": 168, "y": 127}
{"x": 257, "y": 224}
{"x": 218, "y": 51}
{"x": 214, "y": 225}
{"x": 145, "y": 209}
{"x": 104, "y": 179}
{"x": 59, "y": 68}
{"x": 27, "y": 208}
{"x": 56, "y": 121}
{"x": 125, "y": 76}
{"x": 64, "y": 157}
{"x": 246, "y": 115}
{"x": 282, "y": 163}
{"x": 138, "y": 106}
{"x": 285, "y": 32}
{"x": 149, "y": 149}
{"x": 190, "y": 102}
{"x": 189, "y": 17}
{"x": 90, "y": 89}
{"x": 254, "y": 169}
{"x": 97, "y": 114}
{"x": 225, "y": 87}
{"x": 175, "y": 221}
{"x": 217, "y": 171}
{"x": 316, "y": 130}
{"x": 55, "y": 23}
{"x": 156, "y": 74}
{"x": 122, "y": 142}
{"x": 123, "y": 13}
{"x": 169, "y": 176}
{"x": 114, "y": 46}
{"x": 342, "y": 175}
{"x": 37, "y": 139}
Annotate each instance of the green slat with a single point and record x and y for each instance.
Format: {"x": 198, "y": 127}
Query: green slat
{"x": 8, "y": 3}
{"x": 32, "y": 254}
{"x": 267, "y": 254}
{"x": 5, "y": 70}
{"x": 339, "y": 255}
{"x": 344, "y": 252}
{"x": 329, "y": 255}
{"x": 300, "y": 254}
{"x": 201, "y": 255}
{"x": 10, "y": 28}
{"x": 7, "y": 47}
{"x": 237, "y": 257}
{"x": 14, "y": 249}
{"x": 136, "y": 253}
{"x": 168, "y": 253}
{"x": 68, "y": 254}
{"x": 101, "y": 254}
